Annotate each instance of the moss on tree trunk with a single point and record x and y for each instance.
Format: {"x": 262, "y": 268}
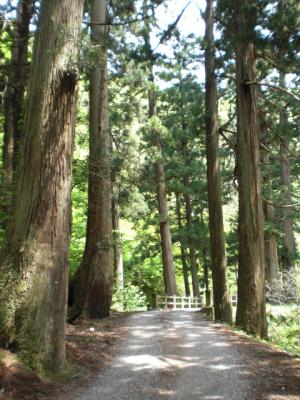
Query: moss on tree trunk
{"x": 34, "y": 261}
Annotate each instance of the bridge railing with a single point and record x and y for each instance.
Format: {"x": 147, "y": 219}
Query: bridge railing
{"x": 233, "y": 298}
{"x": 178, "y": 302}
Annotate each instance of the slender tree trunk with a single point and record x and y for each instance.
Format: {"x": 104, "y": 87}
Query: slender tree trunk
{"x": 34, "y": 261}
{"x": 192, "y": 252}
{"x": 14, "y": 95}
{"x": 118, "y": 257}
{"x": 251, "y": 277}
{"x": 182, "y": 249}
{"x": 188, "y": 207}
{"x": 204, "y": 251}
{"x": 186, "y": 196}
{"x": 271, "y": 254}
{"x": 288, "y": 258}
{"x": 222, "y": 305}
{"x": 94, "y": 281}
{"x": 165, "y": 232}
{"x": 272, "y": 263}
{"x": 206, "y": 280}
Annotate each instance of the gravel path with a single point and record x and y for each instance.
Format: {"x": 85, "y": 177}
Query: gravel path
{"x": 173, "y": 355}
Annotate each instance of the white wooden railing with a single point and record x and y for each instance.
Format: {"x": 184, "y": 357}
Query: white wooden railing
{"x": 233, "y": 298}
{"x": 176, "y": 302}
{"x": 180, "y": 302}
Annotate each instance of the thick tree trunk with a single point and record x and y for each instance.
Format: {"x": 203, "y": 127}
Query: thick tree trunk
{"x": 14, "y": 95}
{"x": 93, "y": 292}
{"x": 191, "y": 242}
{"x": 251, "y": 277}
{"x": 33, "y": 269}
{"x": 184, "y": 263}
{"x": 222, "y": 304}
{"x": 117, "y": 245}
{"x": 288, "y": 257}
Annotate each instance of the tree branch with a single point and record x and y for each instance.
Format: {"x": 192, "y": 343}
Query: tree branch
{"x": 167, "y": 33}
{"x": 280, "y": 205}
{"x": 278, "y": 88}
{"x": 270, "y": 128}
{"x": 227, "y": 140}
{"x": 130, "y": 21}
{"x": 225, "y": 126}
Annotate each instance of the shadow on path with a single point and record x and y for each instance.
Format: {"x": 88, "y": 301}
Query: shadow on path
{"x": 180, "y": 355}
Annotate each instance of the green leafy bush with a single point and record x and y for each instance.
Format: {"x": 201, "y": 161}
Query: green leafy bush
{"x": 284, "y": 327}
{"x": 131, "y": 298}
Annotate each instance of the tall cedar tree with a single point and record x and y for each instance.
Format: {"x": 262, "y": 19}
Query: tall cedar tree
{"x": 183, "y": 256}
{"x": 189, "y": 223}
{"x": 34, "y": 261}
{"x": 289, "y": 250}
{"x": 186, "y": 181}
{"x": 164, "y": 224}
{"x": 206, "y": 261}
{"x": 223, "y": 311}
{"x": 165, "y": 232}
{"x": 14, "y": 91}
{"x": 251, "y": 314}
{"x": 271, "y": 253}
{"x": 283, "y": 24}
{"x": 94, "y": 280}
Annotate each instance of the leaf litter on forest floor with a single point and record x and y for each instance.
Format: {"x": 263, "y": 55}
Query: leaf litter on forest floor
{"x": 88, "y": 351}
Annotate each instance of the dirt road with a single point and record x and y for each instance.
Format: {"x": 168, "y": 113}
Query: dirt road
{"x": 181, "y": 356}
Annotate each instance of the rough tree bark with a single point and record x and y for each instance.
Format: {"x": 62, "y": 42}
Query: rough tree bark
{"x": 94, "y": 280}
{"x": 34, "y": 261}
{"x": 185, "y": 269}
{"x": 14, "y": 94}
{"x": 222, "y": 305}
{"x": 251, "y": 276}
{"x": 288, "y": 257}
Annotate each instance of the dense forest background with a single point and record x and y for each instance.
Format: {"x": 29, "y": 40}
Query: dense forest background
{"x": 185, "y": 166}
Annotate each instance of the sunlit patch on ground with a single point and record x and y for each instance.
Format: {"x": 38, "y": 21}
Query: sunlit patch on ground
{"x": 146, "y": 361}
{"x": 283, "y": 397}
{"x": 166, "y": 392}
{"x": 222, "y": 367}
{"x": 221, "y": 344}
{"x": 167, "y": 356}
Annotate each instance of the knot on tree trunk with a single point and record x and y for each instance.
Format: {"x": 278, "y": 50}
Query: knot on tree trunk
{"x": 69, "y": 79}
